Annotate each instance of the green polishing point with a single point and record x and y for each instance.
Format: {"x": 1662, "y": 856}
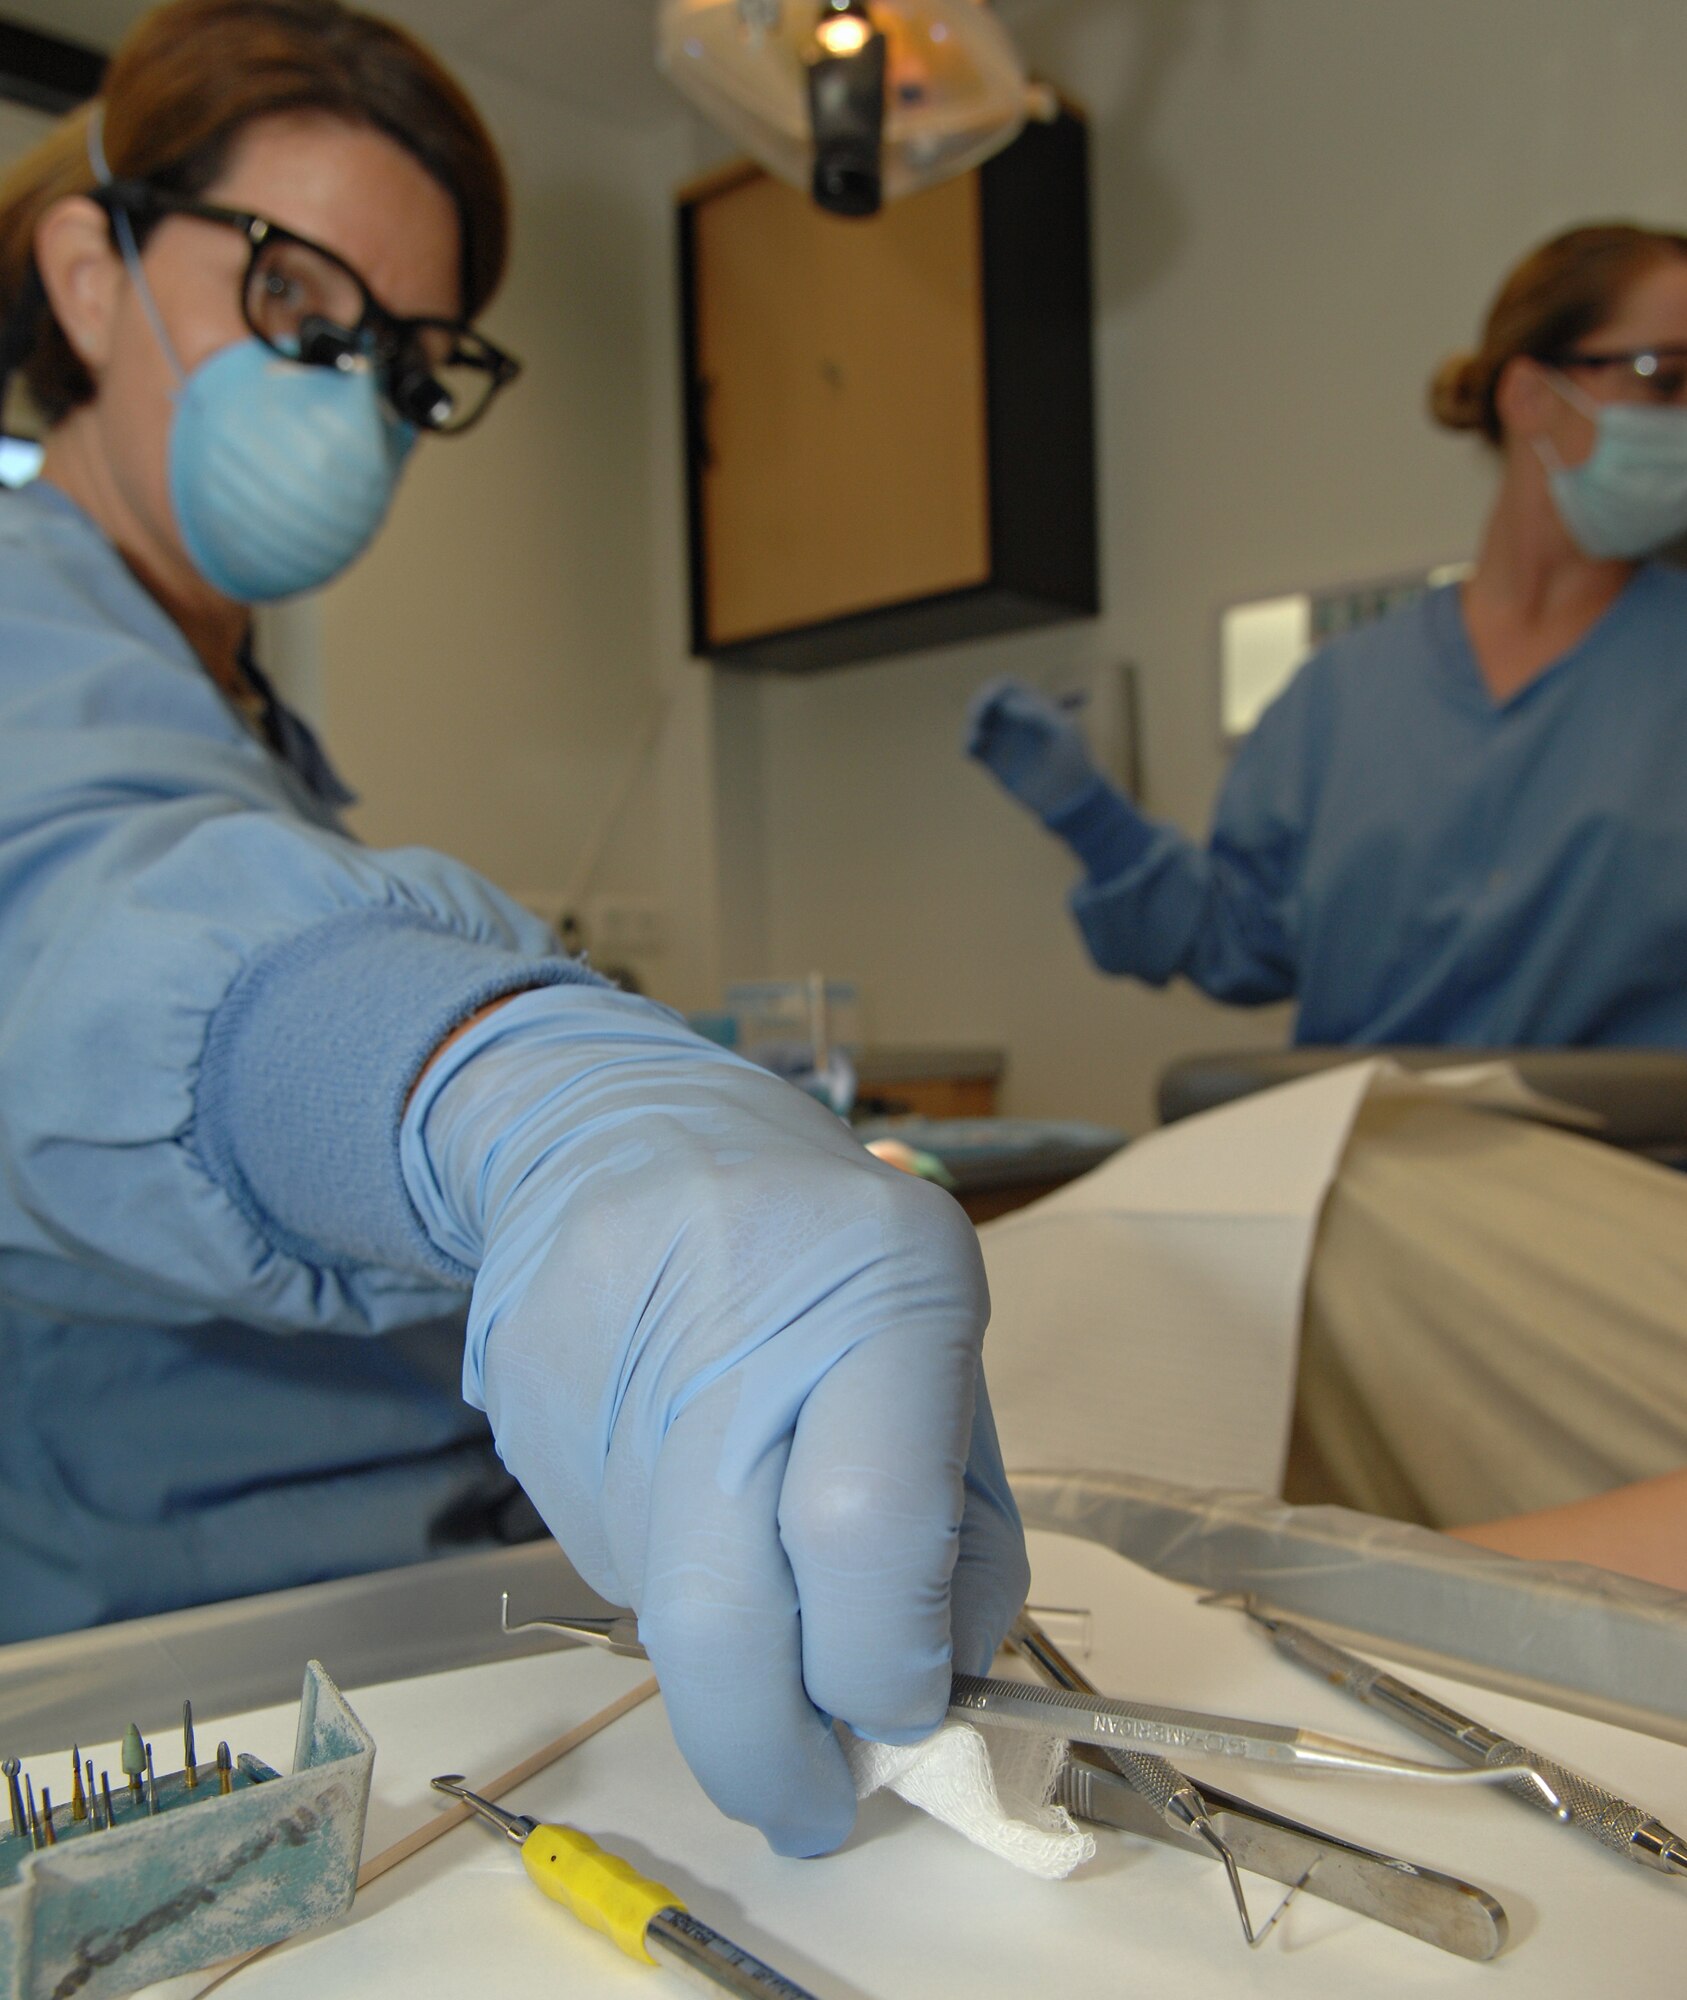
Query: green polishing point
{"x": 134, "y": 1755}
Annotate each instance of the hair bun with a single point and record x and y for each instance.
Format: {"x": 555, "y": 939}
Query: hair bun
{"x": 1457, "y": 395}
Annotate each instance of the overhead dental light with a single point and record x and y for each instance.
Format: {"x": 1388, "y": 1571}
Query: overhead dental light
{"x": 844, "y": 28}
{"x": 846, "y": 109}
{"x": 857, "y": 101}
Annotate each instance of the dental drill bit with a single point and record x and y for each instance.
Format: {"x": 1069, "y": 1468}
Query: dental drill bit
{"x": 133, "y": 1760}
{"x": 1173, "y": 1796}
{"x": 92, "y": 1795}
{"x": 49, "y": 1832}
{"x": 34, "y": 1816}
{"x": 105, "y": 1794}
{"x": 78, "y": 1797}
{"x": 225, "y": 1770}
{"x": 151, "y": 1786}
{"x": 20, "y": 1825}
{"x": 190, "y": 1768}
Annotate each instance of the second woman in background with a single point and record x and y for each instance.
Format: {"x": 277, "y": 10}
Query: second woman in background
{"x": 1464, "y": 824}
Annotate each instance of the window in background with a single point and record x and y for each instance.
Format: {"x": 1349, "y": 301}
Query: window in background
{"x": 21, "y": 126}
{"x": 1262, "y": 645}
{"x": 20, "y": 461}
{"x": 41, "y": 78}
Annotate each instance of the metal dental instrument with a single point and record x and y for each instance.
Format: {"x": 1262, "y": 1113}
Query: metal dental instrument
{"x": 1439, "y": 1909}
{"x": 1096, "y": 1719}
{"x": 151, "y": 1785}
{"x": 225, "y": 1770}
{"x": 1173, "y": 1796}
{"x": 78, "y": 1798}
{"x": 20, "y": 1825}
{"x": 49, "y": 1832}
{"x": 105, "y": 1796}
{"x": 1627, "y": 1829}
{"x": 646, "y": 1921}
{"x": 34, "y": 1817}
{"x": 1123, "y": 1725}
{"x": 190, "y": 1767}
{"x": 616, "y": 1632}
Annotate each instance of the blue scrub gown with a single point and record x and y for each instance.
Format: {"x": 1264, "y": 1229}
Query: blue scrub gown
{"x": 207, "y": 987}
{"x": 1414, "y": 862}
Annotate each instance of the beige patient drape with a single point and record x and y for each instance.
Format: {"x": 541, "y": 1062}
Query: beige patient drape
{"x": 1495, "y": 1320}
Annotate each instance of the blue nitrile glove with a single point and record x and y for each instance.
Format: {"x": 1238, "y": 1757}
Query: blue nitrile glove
{"x": 1032, "y": 747}
{"x": 734, "y": 1360}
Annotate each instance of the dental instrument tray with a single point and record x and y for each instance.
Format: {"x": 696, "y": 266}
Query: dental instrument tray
{"x": 102, "y": 1892}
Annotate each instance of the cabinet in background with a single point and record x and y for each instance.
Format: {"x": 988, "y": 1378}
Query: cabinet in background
{"x": 890, "y": 422}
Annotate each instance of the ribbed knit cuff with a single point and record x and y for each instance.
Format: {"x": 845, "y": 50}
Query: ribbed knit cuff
{"x": 1103, "y": 829}
{"x": 308, "y": 1063}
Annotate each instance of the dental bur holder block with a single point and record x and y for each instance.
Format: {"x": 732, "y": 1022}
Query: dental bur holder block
{"x": 101, "y": 1915}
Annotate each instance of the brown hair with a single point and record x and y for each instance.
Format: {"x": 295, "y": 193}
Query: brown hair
{"x": 1564, "y": 289}
{"x": 182, "y": 86}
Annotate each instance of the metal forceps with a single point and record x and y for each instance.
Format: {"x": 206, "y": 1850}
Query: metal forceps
{"x": 1144, "y": 1795}
{"x": 1175, "y": 1798}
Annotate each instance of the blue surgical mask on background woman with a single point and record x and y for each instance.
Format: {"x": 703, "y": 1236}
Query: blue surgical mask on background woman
{"x": 280, "y": 473}
{"x": 1629, "y": 496}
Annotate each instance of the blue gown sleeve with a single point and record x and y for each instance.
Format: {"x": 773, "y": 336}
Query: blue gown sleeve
{"x": 213, "y": 1002}
{"x": 1156, "y": 905}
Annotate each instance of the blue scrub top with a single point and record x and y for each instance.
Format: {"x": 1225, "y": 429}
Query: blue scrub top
{"x": 1415, "y": 862}
{"x": 202, "y": 973}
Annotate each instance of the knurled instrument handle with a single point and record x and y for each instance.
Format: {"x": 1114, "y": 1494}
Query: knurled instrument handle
{"x": 1156, "y": 1780}
{"x": 1611, "y": 1820}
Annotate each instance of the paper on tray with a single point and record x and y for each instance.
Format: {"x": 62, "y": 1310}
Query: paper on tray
{"x": 1146, "y": 1318}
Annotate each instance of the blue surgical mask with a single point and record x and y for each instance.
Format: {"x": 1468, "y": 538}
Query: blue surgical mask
{"x": 1629, "y": 496}
{"x": 280, "y": 473}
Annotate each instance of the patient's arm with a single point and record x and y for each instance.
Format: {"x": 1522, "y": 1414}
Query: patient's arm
{"x": 1640, "y": 1530}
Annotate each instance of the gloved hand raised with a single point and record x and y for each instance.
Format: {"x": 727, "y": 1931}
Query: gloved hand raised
{"x": 734, "y": 1362}
{"x": 1032, "y": 747}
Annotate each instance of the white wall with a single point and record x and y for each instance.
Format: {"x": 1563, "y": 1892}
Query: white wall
{"x": 489, "y": 663}
{"x": 21, "y": 126}
{"x": 505, "y": 675}
{"x": 1300, "y": 206}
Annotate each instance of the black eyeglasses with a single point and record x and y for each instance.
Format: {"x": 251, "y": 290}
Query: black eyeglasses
{"x": 1660, "y": 373}
{"x": 311, "y": 306}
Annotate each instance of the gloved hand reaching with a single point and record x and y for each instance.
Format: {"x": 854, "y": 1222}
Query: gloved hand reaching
{"x": 1031, "y": 746}
{"x": 735, "y": 1363}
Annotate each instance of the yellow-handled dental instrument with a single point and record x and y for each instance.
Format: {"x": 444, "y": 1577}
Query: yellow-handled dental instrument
{"x": 645, "y": 1920}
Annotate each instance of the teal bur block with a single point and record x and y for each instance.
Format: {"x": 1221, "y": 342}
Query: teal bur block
{"x": 102, "y": 1914}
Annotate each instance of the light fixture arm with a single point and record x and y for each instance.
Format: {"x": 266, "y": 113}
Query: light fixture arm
{"x": 950, "y": 88}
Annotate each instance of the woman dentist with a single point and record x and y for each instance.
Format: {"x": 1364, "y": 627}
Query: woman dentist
{"x": 1466, "y": 823}
{"x": 273, "y": 1101}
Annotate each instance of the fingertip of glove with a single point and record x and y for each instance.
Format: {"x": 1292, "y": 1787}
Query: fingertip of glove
{"x": 977, "y": 1656}
{"x": 893, "y": 1725}
{"x": 899, "y": 1739}
{"x": 983, "y": 702}
{"x": 812, "y": 1836}
{"x": 979, "y": 1627}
